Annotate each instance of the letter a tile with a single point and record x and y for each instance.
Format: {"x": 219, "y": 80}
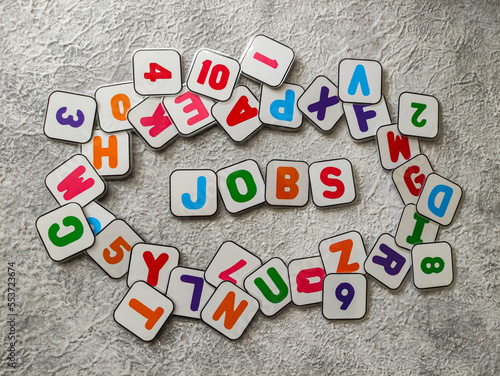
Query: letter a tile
{"x": 143, "y": 311}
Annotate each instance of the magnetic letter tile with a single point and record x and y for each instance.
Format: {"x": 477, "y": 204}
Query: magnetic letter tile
{"x": 65, "y": 231}
{"x": 97, "y": 216}
{"x": 439, "y": 199}
{"x": 239, "y": 116}
{"x": 432, "y": 265}
{"x": 363, "y": 120}
{"x": 230, "y": 310}
{"x": 109, "y": 153}
{"x": 287, "y": 183}
{"x": 231, "y": 263}
{"x": 70, "y": 117}
{"x": 395, "y": 149}
{"x": 418, "y": 115}
{"x": 343, "y": 253}
{"x": 344, "y": 296}
{"x": 193, "y": 193}
{"x": 270, "y": 285}
{"x": 152, "y": 123}
{"x": 213, "y": 74}
{"x": 414, "y": 229}
{"x": 306, "y": 280}
{"x": 157, "y": 72}
{"x": 360, "y": 81}
{"x": 189, "y": 112}
{"x": 278, "y": 107}
{"x": 111, "y": 250}
{"x": 143, "y": 311}
{"x": 267, "y": 61}
{"x": 387, "y": 262}
{"x": 241, "y": 186}
{"x": 75, "y": 181}
{"x": 152, "y": 264}
{"x": 113, "y": 104}
{"x": 189, "y": 291}
{"x": 332, "y": 182}
{"x": 409, "y": 178}
{"x": 320, "y": 104}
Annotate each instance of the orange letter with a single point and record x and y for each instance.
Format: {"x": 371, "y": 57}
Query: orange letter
{"x": 111, "y": 152}
{"x": 115, "y": 106}
{"x": 227, "y": 307}
{"x": 151, "y": 316}
{"x": 345, "y": 248}
{"x": 286, "y": 183}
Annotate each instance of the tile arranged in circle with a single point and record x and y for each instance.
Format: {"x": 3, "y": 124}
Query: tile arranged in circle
{"x": 418, "y": 115}
{"x": 360, "y": 81}
{"x": 432, "y": 265}
{"x": 278, "y": 107}
{"x": 344, "y": 296}
{"x": 344, "y": 253}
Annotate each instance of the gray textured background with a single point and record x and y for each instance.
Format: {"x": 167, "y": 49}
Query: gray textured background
{"x": 450, "y": 49}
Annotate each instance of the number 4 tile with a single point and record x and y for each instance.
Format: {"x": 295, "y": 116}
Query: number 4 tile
{"x": 70, "y": 117}
{"x": 143, "y": 311}
{"x": 157, "y": 72}
{"x": 432, "y": 265}
{"x": 65, "y": 232}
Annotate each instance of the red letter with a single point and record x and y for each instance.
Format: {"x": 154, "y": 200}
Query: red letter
{"x": 241, "y": 112}
{"x": 331, "y": 182}
{"x": 154, "y": 266}
{"x": 303, "y": 283}
{"x": 420, "y": 179}
{"x": 195, "y": 105}
{"x": 74, "y": 184}
{"x": 226, "y": 274}
{"x": 158, "y": 121}
{"x": 398, "y": 145}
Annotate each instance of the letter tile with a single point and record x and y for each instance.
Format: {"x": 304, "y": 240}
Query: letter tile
{"x": 287, "y": 183}
{"x": 363, "y": 120}
{"x": 306, "y": 280}
{"x": 409, "y": 178}
{"x": 395, "y": 149}
{"x": 344, "y": 253}
{"x": 418, "y": 115}
{"x": 332, "y": 182}
{"x": 360, "y": 81}
{"x": 415, "y": 229}
{"x": 278, "y": 107}
{"x": 97, "y": 216}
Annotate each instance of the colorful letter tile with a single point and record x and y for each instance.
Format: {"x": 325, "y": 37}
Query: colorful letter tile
{"x": 418, "y": 115}
{"x": 70, "y": 117}
{"x": 231, "y": 263}
{"x": 414, "y": 229}
{"x": 143, "y": 311}
{"x": 241, "y": 186}
{"x": 111, "y": 250}
{"x": 230, "y": 310}
{"x": 193, "y": 193}
{"x": 278, "y": 107}
{"x": 344, "y": 253}
{"x": 320, "y": 104}
{"x": 332, "y": 182}
{"x": 432, "y": 265}
{"x": 109, "y": 153}
{"x": 113, "y": 104}
{"x": 65, "y": 231}
{"x": 363, "y": 120}
{"x": 157, "y": 72}
{"x": 189, "y": 112}
{"x": 344, "y": 296}
{"x": 75, "y": 181}
{"x": 152, "y": 264}
{"x": 267, "y": 61}
{"x": 360, "y": 81}
{"x": 97, "y": 216}
{"x": 189, "y": 291}
{"x": 287, "y": 183}
{"x": 439, "y": 199}
{"x": 306, "y": 280}
{"x": 270, "y": 285}
{"x": 213, "y": 74}
{"x": 152, "y": 123}
{"x": 239, "y": 116}
{"x": 387, "y": 262}
{"x": 409, "y": 178}
{"x": 395, "y": 149}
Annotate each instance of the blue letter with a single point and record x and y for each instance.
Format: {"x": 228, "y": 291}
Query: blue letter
{"x": 201, "y": 195}
{"x": 359, "y": 78}
{"x": 431, "y": 202}
{"x": 287, "y": 105}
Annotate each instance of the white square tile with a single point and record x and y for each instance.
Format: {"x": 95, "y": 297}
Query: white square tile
{"x": 278, "y": 107}
{"x": 332, "y": 182}
{"x": 395, "y": 149}
{"x": 287, "y": 183}
{"x": 363, "y": 120}
{"x": 418, "y": 115}
{"x": 414, "y": 229}
{"x": 344, "y": 253}
{"x": 360, "y": 81}
{"x": 306, "y": 280}
{"x": 432, "y": 265}
{"x": 344, "y": 296}
{"x": 409, "y": 178}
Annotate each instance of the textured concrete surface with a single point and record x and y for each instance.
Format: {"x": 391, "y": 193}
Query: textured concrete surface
{"x": 450, "y": 49}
